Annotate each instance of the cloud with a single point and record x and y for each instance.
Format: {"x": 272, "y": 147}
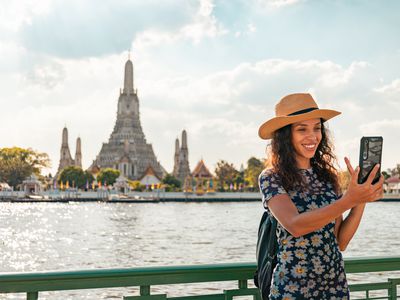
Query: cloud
{"x": 377, "y": 127}
{"x": 278, "y": 3}
{"x": 48, "y": 75}
{"x": 391, "y": 88}
{"x": 203, "y": 25}
{"x": 15, "y": 14}
{"x": 77, "y": 29}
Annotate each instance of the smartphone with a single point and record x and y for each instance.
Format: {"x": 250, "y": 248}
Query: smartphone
{"x": 370, "y": 155}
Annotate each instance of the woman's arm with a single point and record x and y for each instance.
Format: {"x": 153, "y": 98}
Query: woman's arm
{"x": 284, "y": 210}
{"x": 346, "y": 229}
{"x": 298, "y": 224}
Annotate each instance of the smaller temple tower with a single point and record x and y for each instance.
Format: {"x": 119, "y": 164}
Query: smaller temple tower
{"x": 78, "y": 153}
{"x": 65, "y": 155}
{"x": 176, "y": 158}
{"x": 181, "y": 159}
{"x": 66, "y": 159}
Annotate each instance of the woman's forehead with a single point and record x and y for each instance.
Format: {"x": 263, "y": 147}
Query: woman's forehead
{"x": 311, "y": 122}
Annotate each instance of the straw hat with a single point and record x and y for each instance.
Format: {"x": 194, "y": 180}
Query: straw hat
{"x": 291, "y": 109}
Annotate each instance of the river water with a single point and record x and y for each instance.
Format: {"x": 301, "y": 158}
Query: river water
{"x": 71, "y": 236}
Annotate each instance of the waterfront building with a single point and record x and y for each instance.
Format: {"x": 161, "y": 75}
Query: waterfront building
{"x": 4, "y": 186}
{"x": 150, "y": 177}
{"x": 203, "y": 178}
{"x": 121, "y": 184}
{"x": 201, "y": 171}
{"x": 392, "y": 185}
{"x": 181, "y": 159}
{"x": 127, "y": 149}
{"x": 31, "y": 185}
{"x": 66, "y": 159}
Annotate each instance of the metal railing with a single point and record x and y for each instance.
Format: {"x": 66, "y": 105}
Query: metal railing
{"x": 34, "y": 283}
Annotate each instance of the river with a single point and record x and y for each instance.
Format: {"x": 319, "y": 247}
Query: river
{"x": 70, "y": 236}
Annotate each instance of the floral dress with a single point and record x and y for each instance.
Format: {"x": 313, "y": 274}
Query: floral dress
{"x": 310, "y": 266}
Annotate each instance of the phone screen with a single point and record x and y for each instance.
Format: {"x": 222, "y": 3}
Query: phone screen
{"x": 370, "y": 155}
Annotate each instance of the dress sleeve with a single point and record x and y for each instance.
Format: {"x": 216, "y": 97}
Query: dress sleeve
{"x": 270, "y": 186}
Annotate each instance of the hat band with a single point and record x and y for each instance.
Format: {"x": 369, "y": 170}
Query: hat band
{"x": 303, "y": 111}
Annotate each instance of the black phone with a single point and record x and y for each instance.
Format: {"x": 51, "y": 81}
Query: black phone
{"x": 370, "y": 155}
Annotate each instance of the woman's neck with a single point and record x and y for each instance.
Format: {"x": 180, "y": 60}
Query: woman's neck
{"x": 303, "y": 163}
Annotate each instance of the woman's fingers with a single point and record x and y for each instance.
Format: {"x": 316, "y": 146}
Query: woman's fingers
{"x": 349, "y": 166}
{"x": 372, "y": 174}
{"x": 354, "y": 175}
{"x": 379, "y": 194}
{"x": 379, "y": 184}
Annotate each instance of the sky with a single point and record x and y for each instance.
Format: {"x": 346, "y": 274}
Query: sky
{"x": 213, "y": 68}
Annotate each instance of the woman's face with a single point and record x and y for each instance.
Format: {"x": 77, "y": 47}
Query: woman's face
{"x": 306, "y": 136}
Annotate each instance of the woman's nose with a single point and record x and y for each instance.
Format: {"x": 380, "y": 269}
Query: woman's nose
{"x": 312, "y": 136}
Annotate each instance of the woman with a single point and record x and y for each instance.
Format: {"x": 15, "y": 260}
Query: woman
{"x": 302, "y": 192}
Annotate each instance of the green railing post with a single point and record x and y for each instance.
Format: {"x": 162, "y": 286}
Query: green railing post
{"x": 393, "y": 288}
{"x": 257, "y": 296}
{"x": 32, "y": 296}
{"x": 144, "y": 290}
{"x": 243, "y": 284}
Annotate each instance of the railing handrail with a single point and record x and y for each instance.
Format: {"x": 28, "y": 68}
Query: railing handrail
{"x": 124, "y": 277}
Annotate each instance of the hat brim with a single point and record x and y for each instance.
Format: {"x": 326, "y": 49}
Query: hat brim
{"x": 267, "y": 129}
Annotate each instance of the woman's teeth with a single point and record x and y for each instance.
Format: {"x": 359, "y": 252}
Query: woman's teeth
{"x": 309, "y": 147}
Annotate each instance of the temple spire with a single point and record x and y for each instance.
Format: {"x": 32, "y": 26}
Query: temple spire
{"x": 65, "y": 137}
{"x": 128, "y": 79}
{"x": 184, "y": 140}
{"x": 78, "y": 153}
{"x": 176, "y": 158}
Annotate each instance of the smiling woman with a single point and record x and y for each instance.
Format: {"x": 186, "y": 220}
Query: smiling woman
{"x": 301, "y": 190}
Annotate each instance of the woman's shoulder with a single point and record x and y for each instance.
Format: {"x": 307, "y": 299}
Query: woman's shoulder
{"x": 270, "y": 185}
{"x": 269, "y": 174}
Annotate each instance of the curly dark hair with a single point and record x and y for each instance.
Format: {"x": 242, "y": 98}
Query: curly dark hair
{"x": 283, "y": 160}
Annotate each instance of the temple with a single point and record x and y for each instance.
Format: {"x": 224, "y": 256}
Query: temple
{"x": 181, "y": 159}
{"x": 127, "y": 149}
{"x": 66, "y": 159}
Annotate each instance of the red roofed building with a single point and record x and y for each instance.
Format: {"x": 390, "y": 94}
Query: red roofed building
{"x": 393, "y": 185}
{"x": 203, "y": 179}
{"x": 201, "y": 171}
{"x": 150, "y": 177}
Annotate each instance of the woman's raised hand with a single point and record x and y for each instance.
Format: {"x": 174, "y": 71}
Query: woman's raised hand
{"x": 365, "y": 192}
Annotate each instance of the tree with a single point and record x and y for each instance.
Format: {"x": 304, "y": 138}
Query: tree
{"x": 16, "y": 164}
{"x": 108, "y": 175}
{"x": 136, "y": 185}
{"x": 225, "y": 174}
{"x": 386, "y": 174}
{"x": 75, "y": 176}
{"x": 253, "y": 170}
{"x": 89, "y": 178}
{"x": 172, "y": 181}
{"x": 395, "y": 171}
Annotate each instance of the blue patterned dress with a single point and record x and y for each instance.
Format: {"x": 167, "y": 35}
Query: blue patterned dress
{"x": 310, "y": 266}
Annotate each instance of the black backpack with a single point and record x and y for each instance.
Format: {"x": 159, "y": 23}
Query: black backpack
{"x": 267, "y": 248}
